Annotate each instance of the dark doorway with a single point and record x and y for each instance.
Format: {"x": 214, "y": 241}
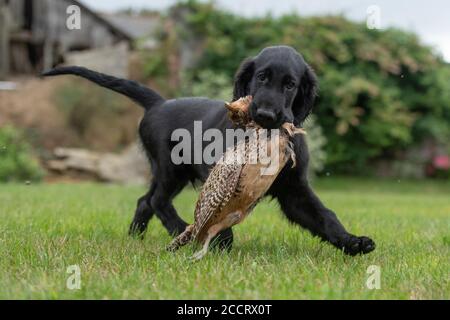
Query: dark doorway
{"x": 28, "y": 14}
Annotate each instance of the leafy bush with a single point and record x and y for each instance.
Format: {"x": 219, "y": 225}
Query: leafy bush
{"x": 381, "y": 91}
{"x": 16, "y": 159}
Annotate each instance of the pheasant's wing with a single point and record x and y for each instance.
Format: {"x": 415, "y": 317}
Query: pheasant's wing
{"x": 216, "y": 192}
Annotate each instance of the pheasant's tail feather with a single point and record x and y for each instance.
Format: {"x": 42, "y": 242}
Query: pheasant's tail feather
{"x": 216, "y": 192}
{"x": 182, "y": 239}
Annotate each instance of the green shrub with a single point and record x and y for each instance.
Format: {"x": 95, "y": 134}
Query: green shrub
{"x": 17, "y": 162}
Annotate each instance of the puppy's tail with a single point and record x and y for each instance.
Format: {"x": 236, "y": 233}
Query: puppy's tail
{"x": 144, "y": 96}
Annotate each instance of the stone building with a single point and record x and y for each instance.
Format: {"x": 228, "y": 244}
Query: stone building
{"x": 34, "y": 35}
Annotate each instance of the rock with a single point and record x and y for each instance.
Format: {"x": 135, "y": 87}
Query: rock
{"x": 129, "y": 167}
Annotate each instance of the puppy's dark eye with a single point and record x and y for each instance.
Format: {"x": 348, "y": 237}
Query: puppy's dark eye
{"x": 261, "y": 77}
{"x": 290, "y": 85}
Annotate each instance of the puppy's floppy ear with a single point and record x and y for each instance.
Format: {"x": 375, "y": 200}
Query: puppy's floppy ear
{"x": 242, "y": 78}
{"x": 306, "y": 96}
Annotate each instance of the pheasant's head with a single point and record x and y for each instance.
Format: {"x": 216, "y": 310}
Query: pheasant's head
{"x": 238, "y": 110}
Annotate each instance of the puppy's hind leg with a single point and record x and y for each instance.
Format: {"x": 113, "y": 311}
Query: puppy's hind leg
{"x": 168, "y": 186}
{"x": 143, "y": 213}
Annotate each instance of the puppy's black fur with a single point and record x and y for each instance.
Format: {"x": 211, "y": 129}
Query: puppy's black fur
{"x": 283, "y": 87}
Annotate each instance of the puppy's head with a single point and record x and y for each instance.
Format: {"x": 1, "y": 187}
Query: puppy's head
{"x": 282, "y": 84}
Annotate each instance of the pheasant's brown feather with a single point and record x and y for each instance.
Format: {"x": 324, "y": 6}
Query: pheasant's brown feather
{"x": 216, "y": 192}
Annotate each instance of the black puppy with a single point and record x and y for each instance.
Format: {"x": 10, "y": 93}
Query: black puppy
{"x": 283, "y": 87}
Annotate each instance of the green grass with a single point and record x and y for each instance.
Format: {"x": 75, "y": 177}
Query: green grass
{"x": 46, "y": 228}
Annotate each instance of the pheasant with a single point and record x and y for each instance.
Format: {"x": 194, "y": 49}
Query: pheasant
{"x": 235, "y": 184}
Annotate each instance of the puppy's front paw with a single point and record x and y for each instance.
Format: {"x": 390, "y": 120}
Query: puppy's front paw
{"x": 358, "y": 245}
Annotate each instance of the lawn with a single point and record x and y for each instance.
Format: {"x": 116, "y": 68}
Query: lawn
{"x": 44, "y": 229}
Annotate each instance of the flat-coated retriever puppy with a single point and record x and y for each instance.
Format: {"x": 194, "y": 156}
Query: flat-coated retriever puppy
{"x": 284, "y": 88}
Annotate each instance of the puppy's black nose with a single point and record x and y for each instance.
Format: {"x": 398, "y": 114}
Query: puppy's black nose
{"x": 265, "y": 116}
